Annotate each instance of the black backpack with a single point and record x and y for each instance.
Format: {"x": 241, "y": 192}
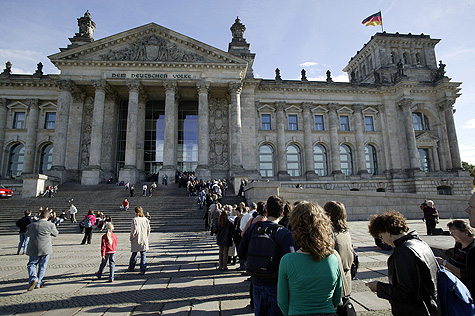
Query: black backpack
{"x": 262, "y": 257}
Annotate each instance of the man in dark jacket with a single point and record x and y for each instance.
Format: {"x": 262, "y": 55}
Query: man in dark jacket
{"x": 412, "y": 269}
{"x": 265, "y": 289}
{"x": 22, "y": 223}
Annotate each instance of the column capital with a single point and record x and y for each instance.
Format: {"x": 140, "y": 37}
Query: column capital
{"x": 133, "y": 85}
{"x": 279, "y": 105}
{"x": 307, "y": 106}
{"x": 203, "y": 86}
{"x": 170, "y": 86}
{"x": 235, "y": 87}
{"x": 100, "y": 85}
{"x": 358, "y": 107}
{"x": 446, "y": 104}
{"x": 32, "y": 102}
{"x": 66, "y": 85}
{"x": 405, "y": 103}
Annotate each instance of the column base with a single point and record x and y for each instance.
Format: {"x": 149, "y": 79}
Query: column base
{"x": 92, "y": 176}
{"x": 203, "y": 172}
{"x": 129, "y": 174}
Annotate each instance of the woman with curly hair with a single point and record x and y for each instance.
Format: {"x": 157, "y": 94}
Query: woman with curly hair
{"x": 309, "y": 279}
{"x": 412, "y": 269}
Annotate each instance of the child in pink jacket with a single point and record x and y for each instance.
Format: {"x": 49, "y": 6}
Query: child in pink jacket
{"x": 108, "y": 249}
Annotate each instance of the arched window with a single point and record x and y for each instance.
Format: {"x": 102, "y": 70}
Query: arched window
{"x": 421, "y": 121}
{"x": 418, "y": 59}
{"x": 320, "y": 160}
{"x": 346, "y": 160}
{"x": 266, "y": 161}
{"x": 371, "y": 160}
{"x": 424, "y": 159}
{"x": 405, "y": 58}
{"x": 15, "y": 165}
{"x": 393, "y": 58}
{"x": 294, "y": 164}
{"x": 46, "y": 158}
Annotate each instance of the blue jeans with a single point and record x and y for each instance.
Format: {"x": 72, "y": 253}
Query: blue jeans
{"x": 41, "y": 262}
{"x": 265, "y": 301}
{"x": 23, "y": 242}
{"x": 111, "y": 258}
{"x": 143, "y": 260}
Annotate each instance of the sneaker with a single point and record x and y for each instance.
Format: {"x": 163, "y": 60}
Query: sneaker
{"x": 32, "y": 284}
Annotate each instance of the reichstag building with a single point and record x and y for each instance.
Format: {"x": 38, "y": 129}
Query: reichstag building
{"x": 150, "y": 100}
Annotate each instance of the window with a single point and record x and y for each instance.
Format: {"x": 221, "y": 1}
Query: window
{"x": 266, "y": 161}
{"x": 319, "y": 125}
{"x": 346, "y": 160}
{"x": 320, "y": 160}
{"x": 293, "y": 124}
{"x": 424, "y": 159}
{"x": 265, "y": 119}
{"x": 50, "y": 119}
{"x": 344, "y": 123}
{"x": 46, "y": 158}
{"x": 15, "y": 165}
{"x": 19, "y": 120}
{"x": 371, "y": 160}
{"x": 405, "y": 58}
{"x": 421, "y": 121}
{"x": 369, "y": 126}
{"x": 444, "y": 190}
{"x": 418, "y": 59}
{"x": 393, "y": 58}
{"x": 294, "y": 165}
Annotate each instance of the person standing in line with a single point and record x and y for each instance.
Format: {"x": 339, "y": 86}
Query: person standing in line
{"x": 89, "y": 222}
{"x": 470, "y": 272}
{"x": 39, "y": 249}
{"x": 22, "y": 224}
{"x": 412, "y": 268}
{"x": 108, "y": 250}
{"x": 309, "y": 281}
{"x": 139, "y": 234}
{"x": 72, "y": 212}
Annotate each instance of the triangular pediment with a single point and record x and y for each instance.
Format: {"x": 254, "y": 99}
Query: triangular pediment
{"x": 150, "y": 43}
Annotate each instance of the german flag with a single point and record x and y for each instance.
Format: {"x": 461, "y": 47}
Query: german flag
{"x": 374, "y": 20}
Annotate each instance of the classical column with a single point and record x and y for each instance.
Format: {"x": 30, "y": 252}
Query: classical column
{"x": 308, "y": 143}
{"x": 169, "y": 155}
{"x": 92, "y": 175}
{"x": 406, "y": 107}
{"x": 334, "y": 142}
{"x": 281, "y": 150}
{"x": 448, "y": 106}
{"x": 202, "y": 169}
{"x": 360, "y": 148}
{"x": 31, "y": 127}
{"x": 65, "y": 100}
{"x": 97, "y": 124}
{"x": 132, "y": 115}
{"x": 3, "y": 124}
{"x": 235, "y": 89}
{"x": 141, "y": 133}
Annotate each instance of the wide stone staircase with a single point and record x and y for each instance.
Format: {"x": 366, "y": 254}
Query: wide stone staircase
{"x": 170, "y": 208}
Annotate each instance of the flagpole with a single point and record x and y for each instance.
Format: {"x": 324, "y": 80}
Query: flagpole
{"x": 382, "y": 29}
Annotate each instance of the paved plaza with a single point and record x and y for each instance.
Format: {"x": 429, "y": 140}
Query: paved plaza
{"x": 182, "y": 277}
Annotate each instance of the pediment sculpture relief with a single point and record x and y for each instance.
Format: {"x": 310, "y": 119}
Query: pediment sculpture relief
{"x": 153, "y": 48}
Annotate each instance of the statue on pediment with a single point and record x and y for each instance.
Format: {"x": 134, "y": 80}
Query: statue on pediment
{"x": 152, "y": 48}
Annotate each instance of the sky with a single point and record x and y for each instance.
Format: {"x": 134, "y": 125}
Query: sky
{"x": 315, "y": 35}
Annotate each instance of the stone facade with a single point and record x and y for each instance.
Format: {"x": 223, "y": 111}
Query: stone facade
{"x": 150, "y": 99}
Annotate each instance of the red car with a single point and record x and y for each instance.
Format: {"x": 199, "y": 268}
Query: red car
{"x": 5, "y": 193}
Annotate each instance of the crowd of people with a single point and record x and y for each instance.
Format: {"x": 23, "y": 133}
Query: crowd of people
{"x": 286, "y": 249}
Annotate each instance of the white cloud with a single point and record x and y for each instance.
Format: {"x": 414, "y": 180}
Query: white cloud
{"x": 467, "y": 153}
{"x": 470, "y": 124}
{"x": 308, "y": 64}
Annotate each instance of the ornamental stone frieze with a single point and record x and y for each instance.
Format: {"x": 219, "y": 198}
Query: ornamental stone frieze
{"x": 153, "y": 48}
{"x": 218, "y": 133}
